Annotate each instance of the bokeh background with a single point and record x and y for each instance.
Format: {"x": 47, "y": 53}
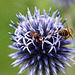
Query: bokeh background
{"x": 8, "y": 11}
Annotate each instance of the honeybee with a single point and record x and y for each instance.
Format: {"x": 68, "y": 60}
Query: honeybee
{"x": 66, "y": 33}
{"x": 35, "y": 36}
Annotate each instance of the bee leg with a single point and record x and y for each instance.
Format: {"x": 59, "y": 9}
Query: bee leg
{"x": 49, "y": 33}
{"x": 66, "y": 37}
{"x": 71, "y": 36}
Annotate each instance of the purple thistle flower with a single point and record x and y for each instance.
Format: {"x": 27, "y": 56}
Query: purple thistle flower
{"x": 45, "y": 54}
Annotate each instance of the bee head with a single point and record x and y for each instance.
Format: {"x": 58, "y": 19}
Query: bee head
{"x": 71, "y": 31}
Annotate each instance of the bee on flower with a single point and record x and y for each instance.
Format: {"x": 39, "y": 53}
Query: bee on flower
{"x": 40, "y": 44}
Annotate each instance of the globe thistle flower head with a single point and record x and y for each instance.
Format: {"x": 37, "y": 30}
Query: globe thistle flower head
{"x": 39, "y": 45}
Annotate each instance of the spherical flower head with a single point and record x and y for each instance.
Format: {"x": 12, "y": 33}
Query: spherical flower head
{"x": 39, "y": 45}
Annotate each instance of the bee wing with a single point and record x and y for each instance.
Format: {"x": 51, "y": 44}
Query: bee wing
{"x": 66, "y": 25}
{"x": 32, "y": 33}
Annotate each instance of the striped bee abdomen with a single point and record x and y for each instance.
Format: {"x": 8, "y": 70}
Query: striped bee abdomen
{"x": 63, "y": 32}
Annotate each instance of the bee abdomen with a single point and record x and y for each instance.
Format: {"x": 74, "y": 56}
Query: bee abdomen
{"x": 63, "y": 33}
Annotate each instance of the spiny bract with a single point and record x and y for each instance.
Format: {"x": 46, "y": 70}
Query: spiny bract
{"x": 46, "y": 57}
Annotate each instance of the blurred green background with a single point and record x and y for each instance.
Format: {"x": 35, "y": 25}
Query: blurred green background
{"x": 8, "y": 11}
